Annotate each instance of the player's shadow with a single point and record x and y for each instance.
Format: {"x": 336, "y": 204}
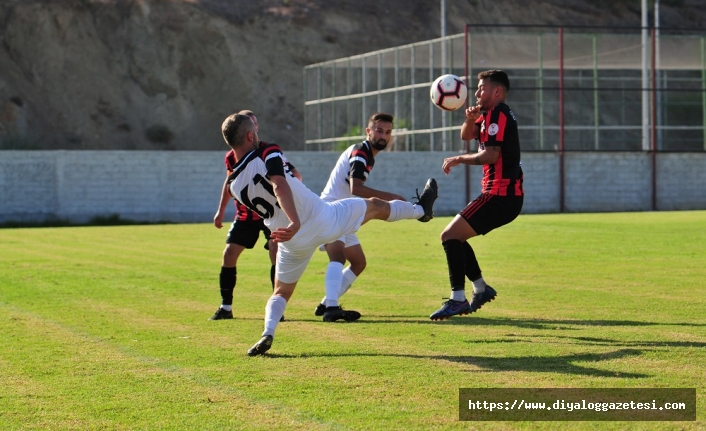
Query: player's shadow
{"x": 519, "y": 323}
{"x": 563, "y": 364}
{"x": 595, "y": 341}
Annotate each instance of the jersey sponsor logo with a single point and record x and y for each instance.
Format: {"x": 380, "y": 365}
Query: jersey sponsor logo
{"x": 493, "y": 129}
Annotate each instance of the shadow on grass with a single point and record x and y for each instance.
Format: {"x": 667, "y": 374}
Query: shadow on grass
{"x": 553, "y": 364}
{"x": 107, "y": 220}
{"x": 594, "y": 341}
{"x": 538, "y": 364}
{"x": 519, "y": 323}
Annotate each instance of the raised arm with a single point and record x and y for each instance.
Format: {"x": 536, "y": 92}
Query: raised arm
{"x": 284, "y": 196}
{"x": 487, "y": 156}
{"x": 469, "y": 129}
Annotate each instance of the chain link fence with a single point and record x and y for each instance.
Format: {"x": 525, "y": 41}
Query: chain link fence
{"x": 572, "y": 88}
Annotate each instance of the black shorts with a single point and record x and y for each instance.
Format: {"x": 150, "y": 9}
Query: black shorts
{"x": 488, "y": 212}
{"x": 245, "y": 233}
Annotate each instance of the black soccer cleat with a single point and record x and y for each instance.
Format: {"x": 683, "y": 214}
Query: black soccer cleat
{"x": 320, "y": 310}
{"x": 481, "y": 298}
{"x": 337, "y": 313}
{"x": 427, "y": 198}
{"x": 261, "y": 346}
{"x": 451, "y": 308}
{"x": 221, "y": 314}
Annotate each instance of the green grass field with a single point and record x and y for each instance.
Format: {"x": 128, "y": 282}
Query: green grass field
{"x": 105, "y": 328}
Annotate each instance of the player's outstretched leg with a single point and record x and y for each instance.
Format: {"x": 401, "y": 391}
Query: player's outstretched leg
{"x": 427, "y": 198}
{"x": 422, "y": 210}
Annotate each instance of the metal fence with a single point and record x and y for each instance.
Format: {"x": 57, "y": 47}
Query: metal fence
{"x": 572, "y": 89}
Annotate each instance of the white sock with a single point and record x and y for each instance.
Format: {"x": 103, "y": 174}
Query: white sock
{"x": 348, "y": 277}
{"x": 227, "y": 307}
{"x": 401, "y": 210}
{"x": 458, "y": 295}
{"x": 274, "y": 310}
{"x": 479, "y": 285}
{"x": 333, "y": 280}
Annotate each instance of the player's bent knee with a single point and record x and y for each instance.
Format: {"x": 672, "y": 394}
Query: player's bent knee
{"x": 458, "y": 229}
{"x": 285, "y": 290}
{"x": 358, "y": 266}
{"x": 231, "y": 253}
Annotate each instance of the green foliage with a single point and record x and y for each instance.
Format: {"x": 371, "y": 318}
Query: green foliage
{"x": 354, "y": 131}
{"x": 106, "y": 327}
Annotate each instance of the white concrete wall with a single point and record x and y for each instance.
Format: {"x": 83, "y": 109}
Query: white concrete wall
{"x": 681, "y": 181}
{"x": 185, "y": 186}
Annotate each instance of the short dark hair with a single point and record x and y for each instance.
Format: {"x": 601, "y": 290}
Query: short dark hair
{"x": 496, "y": 76}
{"x": 234, "y": 129}
{"x": 380, "y": 116}
{"x": 247, "y": 112}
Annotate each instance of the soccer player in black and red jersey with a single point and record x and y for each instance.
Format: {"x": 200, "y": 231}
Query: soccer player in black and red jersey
{"x": 494, "y": 125}
{"x": 242, "y": 234}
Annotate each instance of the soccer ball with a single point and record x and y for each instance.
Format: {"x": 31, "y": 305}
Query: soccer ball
{"x": 448, "y": 92}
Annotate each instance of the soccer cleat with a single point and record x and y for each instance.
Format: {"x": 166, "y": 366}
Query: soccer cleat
{"x": 337, "y": 313}
{"x": 261, "y": 346}
{"x": 222, "y": 314}
{"x": 427, "y": 198}
{"x": 451, "y": 308}
{"x": 320, "y": 310}
{"x": 481, "y": 298}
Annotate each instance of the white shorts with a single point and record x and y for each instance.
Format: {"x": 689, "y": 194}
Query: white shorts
{"x": 339, "y": 219}
{"x": 349, "y": 240}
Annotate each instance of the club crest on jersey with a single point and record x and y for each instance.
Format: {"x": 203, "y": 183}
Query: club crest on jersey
{"x": 493, "y": 129}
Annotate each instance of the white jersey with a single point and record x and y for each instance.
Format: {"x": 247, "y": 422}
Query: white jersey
{"x": 321, "y": 222}
{"x": 356, "y": 162}
{"x": 250, "y": 184}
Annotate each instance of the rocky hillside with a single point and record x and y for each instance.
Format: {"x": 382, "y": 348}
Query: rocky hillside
{"x": 162, "y": 74}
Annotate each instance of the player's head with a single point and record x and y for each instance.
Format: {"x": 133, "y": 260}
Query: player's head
{"x": 238, "y": 131}
{"x": 252, "y": 116}
{"x": 379, "y": 130}
{"x": 493, "y": 86}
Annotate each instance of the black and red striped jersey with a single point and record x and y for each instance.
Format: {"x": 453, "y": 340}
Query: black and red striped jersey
{"x": 498, "y": 127}
{"x": 242, "y": 213}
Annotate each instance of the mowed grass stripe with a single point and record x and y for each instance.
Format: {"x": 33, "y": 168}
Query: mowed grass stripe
{"x": 568, "y": 315}
{"x": 48, "y": 365}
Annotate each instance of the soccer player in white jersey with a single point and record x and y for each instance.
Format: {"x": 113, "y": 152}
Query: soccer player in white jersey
{"x": 298, "y": 219}
{"x": 347, "y": 180}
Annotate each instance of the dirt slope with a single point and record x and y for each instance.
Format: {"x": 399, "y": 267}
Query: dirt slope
{"x": 162, "y": 74}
